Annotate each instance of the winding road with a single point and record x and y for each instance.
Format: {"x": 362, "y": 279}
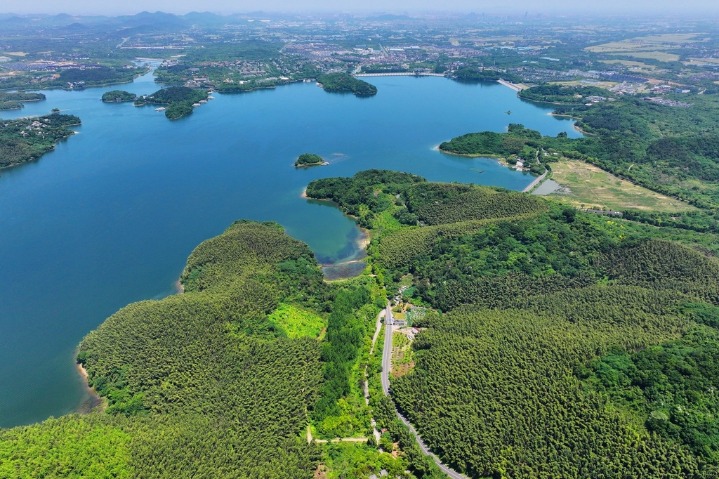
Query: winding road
{"x": 386, "y": 367}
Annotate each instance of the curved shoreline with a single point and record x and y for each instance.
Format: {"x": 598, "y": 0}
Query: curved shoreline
{"x": 361, "y": 243}
{"x": 324, "y": 163}
{"x": 93, "y": 400}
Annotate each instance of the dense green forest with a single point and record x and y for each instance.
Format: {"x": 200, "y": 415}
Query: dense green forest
{"x": 15, "y": 100}
{"x": 198, "y": 384}
{"x": 177, "y": 100}
{"x": 558, "y": 344}
{"x": 309, "y": 159}
{"x": 95, "y": 76}
{"x": 28, "y": 139}
{"x": 518, "y": 143}
{"x": 346, "y": 83}
{"x": 475, "y": 74}
{"x": 118, "y": 96}
{"x": 570, "y": 345}
{"x": 563, "y": 94}
{"x": 217, "y": 382}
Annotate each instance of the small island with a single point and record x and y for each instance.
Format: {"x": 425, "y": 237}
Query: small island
{"x": 305, "y": 160}
{"x": 28, "y": 139}
{"x": 346, "y": 83}
{"x": 15, "y": 100}
{"x": 118, "y": 96}
{"x": 177, "y": 101}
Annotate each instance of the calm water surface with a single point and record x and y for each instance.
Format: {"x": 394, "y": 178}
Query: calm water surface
{"x": 110, "y": 216}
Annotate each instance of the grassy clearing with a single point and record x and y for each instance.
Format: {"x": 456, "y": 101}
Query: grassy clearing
{"x": 385, "y": 222}
{"x": 595, "y": 188}
{"x": 343, "y": 460}
{"x": 297, "y": 322}
{"x": 402, "y": 360}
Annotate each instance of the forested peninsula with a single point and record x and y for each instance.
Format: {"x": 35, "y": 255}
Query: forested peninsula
{"x": 567, "y": 344}
{"x": 199, "y": 384}
{"x": 346, "y": 83}
{"x": 519, "y": 144}
{"x": 15, "y": 100}
{"x": 27, "y": 139}
{"x": 178, "y": 101}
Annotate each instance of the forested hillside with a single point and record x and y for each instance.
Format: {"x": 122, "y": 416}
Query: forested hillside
{"x": 199, "y": 384}
{"x": 571, "y": 345}
{"x": 555, "y": 344}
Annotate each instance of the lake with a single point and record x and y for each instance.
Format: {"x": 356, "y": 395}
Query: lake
{"x": 110, "y": 216}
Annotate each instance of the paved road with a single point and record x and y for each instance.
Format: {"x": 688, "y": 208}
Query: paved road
{"x": 534, "y": 183}
{"x": 387, "y": 351}
{"x": 386, "y": 365}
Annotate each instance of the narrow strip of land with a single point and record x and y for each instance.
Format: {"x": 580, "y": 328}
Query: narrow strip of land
{"x": 534, "y": 183}
{"x": 399, "y": 74}
{"x": 514, "y": 86}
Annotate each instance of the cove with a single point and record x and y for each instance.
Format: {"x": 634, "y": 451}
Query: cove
{"x": 111, "y": 215}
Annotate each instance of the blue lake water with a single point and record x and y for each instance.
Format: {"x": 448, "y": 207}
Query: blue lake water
{"x": 110, "y": 216}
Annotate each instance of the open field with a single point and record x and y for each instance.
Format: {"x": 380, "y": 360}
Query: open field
{"x": 297, "y": 322}
{"x": 646, "y": 43}
{"x": 630, "y": 64}
{"x": 659, "y": 56}
{"x": 703, "y": 61}
{"x": 651, "y": 47}
{"x": 599, "y": 84}
{"x": 592, "y": 187}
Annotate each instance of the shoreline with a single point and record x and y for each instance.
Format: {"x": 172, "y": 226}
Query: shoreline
{"x": 467, "y": 155}
{"x": 499, "y": 159}
{"x": 324, "y": 163}
{"x": 577, "y": 128}
{"x": 93, "y": 401}
{"x": 513, "y": 86}
{"x": 361, "y": 243}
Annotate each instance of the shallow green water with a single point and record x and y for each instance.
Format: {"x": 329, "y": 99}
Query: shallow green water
{"x": 111, "y": 215}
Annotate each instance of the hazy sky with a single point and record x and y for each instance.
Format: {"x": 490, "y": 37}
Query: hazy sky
{"x": 112, "y": 7}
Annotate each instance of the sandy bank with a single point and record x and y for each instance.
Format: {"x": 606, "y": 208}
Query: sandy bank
{"x": 93, "y": 400}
